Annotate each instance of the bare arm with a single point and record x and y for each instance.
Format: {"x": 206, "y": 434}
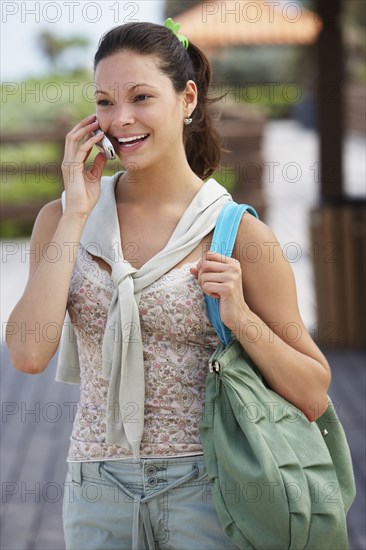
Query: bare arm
{"x": 34, "y": 328}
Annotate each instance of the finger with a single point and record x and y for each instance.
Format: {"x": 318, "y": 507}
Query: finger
{"x": 211, "y": 258}
{"x": 216, "y": 256}
{"x": 227, "y": 280}
{"x": 223, "y": 258}
{"x": 194, "y": 271}
{"x": 212, "y": 289}
{"x": 92, "y": 140}
{"x": 212, "y": 265}
{"x": 85, "y": 122}
{"x": 82, "y": 152}
{"x": 199, "y": 264}
{"x": 219, "y": 267}
{"x": 77, "y": 135}
{"x": 95, "y": 173}
{"x": 216, "y": 275}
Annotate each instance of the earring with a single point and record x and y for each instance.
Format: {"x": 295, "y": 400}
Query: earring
{"x": 187, "y": 121}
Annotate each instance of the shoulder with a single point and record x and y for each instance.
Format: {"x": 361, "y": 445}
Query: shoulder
{"x": 254, "y": 238}
{"x": 49, "y": 216}
{"x": 258, "y": 249}
{"x": 43, "y": 230}
{"x": 268, "y": 279}
{"x": 52, "y": 207}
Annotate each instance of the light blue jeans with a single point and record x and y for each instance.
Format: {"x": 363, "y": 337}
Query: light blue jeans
{"x": 141, "y": 504}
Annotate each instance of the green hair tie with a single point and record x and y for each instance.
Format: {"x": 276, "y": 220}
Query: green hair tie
{"x": 174, "y": 27}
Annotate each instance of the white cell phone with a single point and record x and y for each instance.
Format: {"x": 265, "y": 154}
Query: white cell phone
{"x": 105, "y": 146}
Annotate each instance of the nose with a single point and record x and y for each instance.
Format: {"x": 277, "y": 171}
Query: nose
{"x": 123, "y": 115}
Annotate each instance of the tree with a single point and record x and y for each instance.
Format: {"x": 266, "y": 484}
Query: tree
{"x": 54, "y": 48}
{"x": 175, "y": 7}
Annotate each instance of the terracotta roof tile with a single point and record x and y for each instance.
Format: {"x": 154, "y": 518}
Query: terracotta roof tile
{"x": 228, "y": 23}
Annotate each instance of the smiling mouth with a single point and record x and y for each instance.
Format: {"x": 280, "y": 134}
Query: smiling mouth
{"x": 129, "y": 142}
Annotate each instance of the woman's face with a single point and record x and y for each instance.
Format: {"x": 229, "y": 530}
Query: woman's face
{"x": 137, "y": 106}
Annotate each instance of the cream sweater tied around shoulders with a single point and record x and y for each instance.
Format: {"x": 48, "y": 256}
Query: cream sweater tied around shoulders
{"x": 122, "y": 352}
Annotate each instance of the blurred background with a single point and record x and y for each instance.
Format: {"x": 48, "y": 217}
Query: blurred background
{"x": 292, "y": 117}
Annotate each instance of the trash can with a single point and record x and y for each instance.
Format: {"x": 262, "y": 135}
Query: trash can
{"x": 338, "y": 237}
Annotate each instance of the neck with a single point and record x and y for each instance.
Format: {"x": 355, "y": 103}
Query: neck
{"x": 155, "y": 187}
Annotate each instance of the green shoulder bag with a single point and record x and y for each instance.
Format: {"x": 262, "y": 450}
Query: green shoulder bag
{"x": 278, "y": 481}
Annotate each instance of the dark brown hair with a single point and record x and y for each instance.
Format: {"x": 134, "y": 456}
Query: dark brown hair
{"x": 201, "y": 139}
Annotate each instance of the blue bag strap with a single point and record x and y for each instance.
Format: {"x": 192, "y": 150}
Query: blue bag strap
{"x": 223, "y": 242}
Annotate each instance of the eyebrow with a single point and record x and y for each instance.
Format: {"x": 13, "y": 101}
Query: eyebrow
{"x": 129, "y": 88}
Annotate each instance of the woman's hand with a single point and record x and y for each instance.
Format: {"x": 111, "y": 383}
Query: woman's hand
{"x": 221, "y": 277}
{"x": 82, "y": 187}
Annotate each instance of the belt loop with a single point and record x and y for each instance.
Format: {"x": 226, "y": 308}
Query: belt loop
{"x": 76, "y": 474}
{"x": 100, "y": 465}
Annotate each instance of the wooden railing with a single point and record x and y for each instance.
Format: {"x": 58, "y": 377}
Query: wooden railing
{"x": 28, "y": 210}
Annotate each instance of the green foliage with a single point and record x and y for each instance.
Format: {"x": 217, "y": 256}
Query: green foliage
{"x": 29, "y": 152}
{"x": 42, "y": 103}
{"x": 259, "y": 64}
{"x": 27, "y": 187}
{"x": 14, "y": 229}
{"x": 267, "y": 77}
{"x": 61, "y": 52}
{"x": 272, "y": 100}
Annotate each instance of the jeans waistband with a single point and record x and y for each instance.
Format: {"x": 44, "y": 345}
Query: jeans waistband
{"x": 141, "y": 527}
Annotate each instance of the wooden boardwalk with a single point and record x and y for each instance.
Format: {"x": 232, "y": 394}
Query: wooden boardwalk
{"x": 35, "y": 429}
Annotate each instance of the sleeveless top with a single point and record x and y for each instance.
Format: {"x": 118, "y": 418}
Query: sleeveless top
{"x": 178, "y": 339}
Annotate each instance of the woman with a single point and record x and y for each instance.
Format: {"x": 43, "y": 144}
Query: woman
{"x": 135, "y": 295}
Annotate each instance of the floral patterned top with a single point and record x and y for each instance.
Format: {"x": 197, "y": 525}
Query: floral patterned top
{"x": 178, "y": 339}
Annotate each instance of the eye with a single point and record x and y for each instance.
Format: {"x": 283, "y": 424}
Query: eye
{"x": 141, "y": 97}
{"x": 103, "y": 102}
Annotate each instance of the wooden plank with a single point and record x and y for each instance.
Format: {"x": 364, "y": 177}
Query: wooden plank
{"x": 348, "y": 390}
{"x": 41, "y": 464}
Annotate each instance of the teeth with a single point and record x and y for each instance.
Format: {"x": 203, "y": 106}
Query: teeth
{"x": 129, "y": 139}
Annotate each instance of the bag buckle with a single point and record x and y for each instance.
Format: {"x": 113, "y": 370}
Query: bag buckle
{"x": 214, "y": 366}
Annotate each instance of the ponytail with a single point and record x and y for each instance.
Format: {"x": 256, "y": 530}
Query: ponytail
{"x": 201, "y": 139}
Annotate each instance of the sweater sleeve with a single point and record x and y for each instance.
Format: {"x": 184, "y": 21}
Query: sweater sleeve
{"x": 68, "y": 368}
